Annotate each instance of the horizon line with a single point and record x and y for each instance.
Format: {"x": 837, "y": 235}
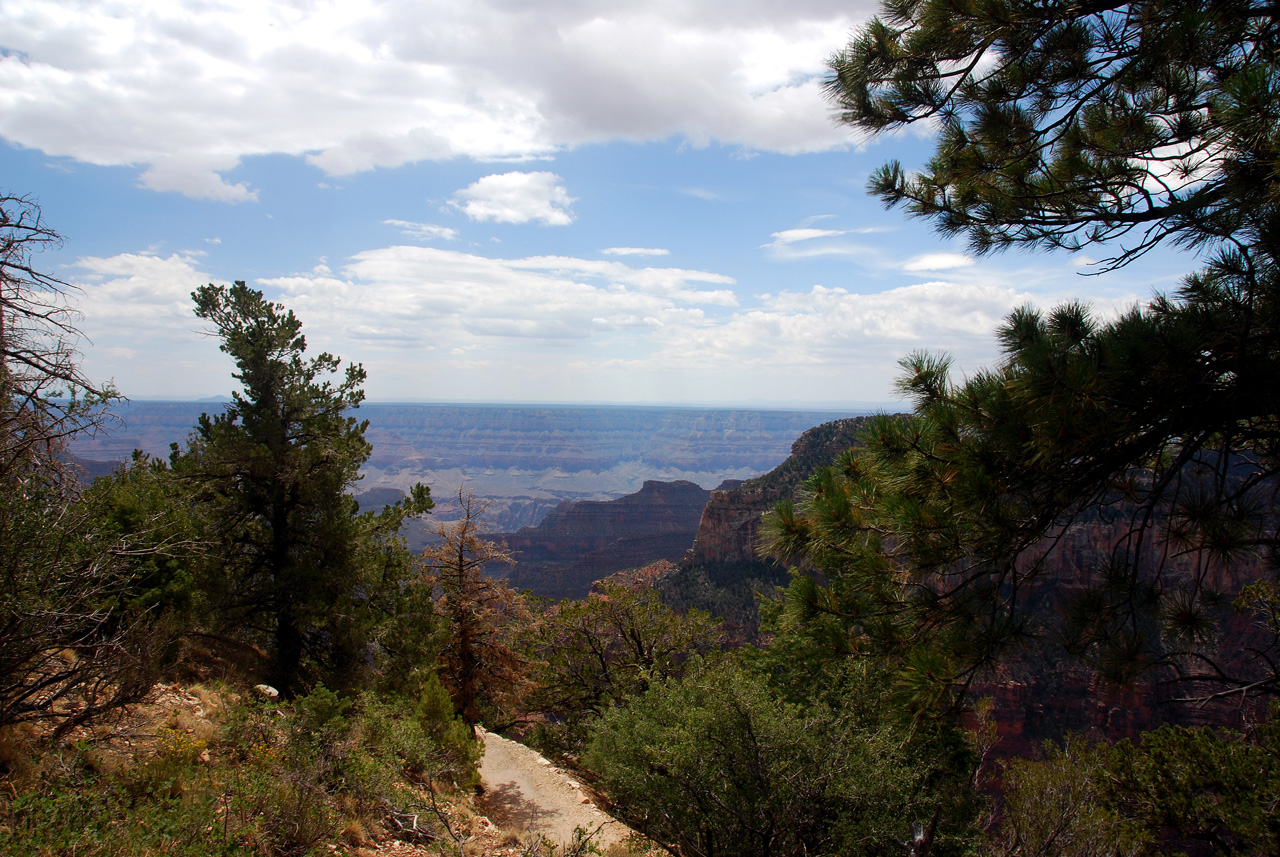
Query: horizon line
{"x": 755, "y": 405}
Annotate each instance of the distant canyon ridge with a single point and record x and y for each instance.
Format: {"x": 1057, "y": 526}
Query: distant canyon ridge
{"x": 525, "y": 460}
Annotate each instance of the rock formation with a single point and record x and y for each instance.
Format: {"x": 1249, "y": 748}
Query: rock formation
{"x": 580, "y": 543}
{"x": 723, "y": 572}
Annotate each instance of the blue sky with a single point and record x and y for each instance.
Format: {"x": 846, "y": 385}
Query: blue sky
{"x": 505, "y": 200}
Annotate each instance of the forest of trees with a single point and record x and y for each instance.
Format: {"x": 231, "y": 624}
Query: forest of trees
{"x": 922, "y": 558}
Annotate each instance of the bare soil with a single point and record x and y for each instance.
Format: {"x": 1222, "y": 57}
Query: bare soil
{"x": 525, "y": 793}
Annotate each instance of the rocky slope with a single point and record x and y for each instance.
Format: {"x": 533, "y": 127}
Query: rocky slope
{"x": 723, "y": 572}
{"x": 580, "y": 543}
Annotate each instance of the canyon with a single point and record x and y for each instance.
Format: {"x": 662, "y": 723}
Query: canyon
{"x": 581, "y": 494}
{"x": 524, "y": 460}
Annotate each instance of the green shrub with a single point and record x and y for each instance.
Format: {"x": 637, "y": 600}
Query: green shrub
{"x": 719, "y": 764}
{"x": 168, "y": 806}
{"x": 278, "y": 781}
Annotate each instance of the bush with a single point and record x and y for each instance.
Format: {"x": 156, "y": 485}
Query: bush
{"x": 1057, "y": 807}
{"x": 275, "y": 781}
{"x": 719, "y": 764}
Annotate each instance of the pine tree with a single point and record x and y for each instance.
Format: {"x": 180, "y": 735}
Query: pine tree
{"x": 274, "y": 471}
{"x": 1064, "y": 126}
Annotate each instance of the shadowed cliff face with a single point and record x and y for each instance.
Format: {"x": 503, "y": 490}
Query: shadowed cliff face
{"x": 729, "y": 529}
{"x": 1041, "y": 691}
{"x": 722, "y": 572}
{"x": 580, "y": 543}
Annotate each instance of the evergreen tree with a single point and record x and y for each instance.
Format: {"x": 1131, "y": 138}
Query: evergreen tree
{"x": 274, "y": 471}
{"x": 1065, "y": 125}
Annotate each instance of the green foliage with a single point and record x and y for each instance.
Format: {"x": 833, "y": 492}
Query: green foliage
{"x": 141, "y": 502}
{"x": 605, "y": 650}
{"x": 1059, "y": 807}
{"x": 272, "y": 474}
{"x": 1200, "y": 789}
{"x": 1065, "y": 124}
{"x": 79, "y": 811}
{"x": 283, "y": 781}
{"x": 73, "y": 645}
{"x": 609, "y": 647}
{"x": 454, "y": 752}
{"x": 934, "y": 537}
{"x": 1211, "y": 786}
{"x": 720, "y": 764}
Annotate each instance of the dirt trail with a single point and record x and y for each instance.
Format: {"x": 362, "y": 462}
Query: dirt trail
{"x": 523, "y": 792}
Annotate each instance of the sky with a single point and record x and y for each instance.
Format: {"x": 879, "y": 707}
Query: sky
{"x": 570, "y": 201}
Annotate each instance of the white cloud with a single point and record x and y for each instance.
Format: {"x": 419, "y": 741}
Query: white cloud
{"x": 424, "y": 230}
{"x": 187, "y": 90}
{"x": 938, "y": 262}
{"x": 139, "y": 284}
{"x": 137, "y": 312}
{"x": 810, "y": 243}
{"x": 443, "y": 323}
{"x": 516, "y": 198}
{"x": 197, "y": 176}
{"x": 635, "y": 251}
{"x": 831, "y": 330}
{"x": 791, "y": 236}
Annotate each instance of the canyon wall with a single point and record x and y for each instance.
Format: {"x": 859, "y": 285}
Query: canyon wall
{"x": 578, "y": 543}
{"x": 524, "y": 459}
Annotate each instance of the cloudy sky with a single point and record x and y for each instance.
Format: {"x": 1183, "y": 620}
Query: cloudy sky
{"x": 498, "y": 200}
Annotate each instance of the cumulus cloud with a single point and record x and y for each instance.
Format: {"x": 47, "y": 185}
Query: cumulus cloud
{"x": 938, "y": 262}
{"x": 516, "y": 198}
{"x": 137, "y": 312}
{"x": 429, "y": 299}
{"x": 432, "y": 321}
{"x": 187, "y": 90}
{"x": 197, "y": 176}
{"x": 635, "y": 251}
